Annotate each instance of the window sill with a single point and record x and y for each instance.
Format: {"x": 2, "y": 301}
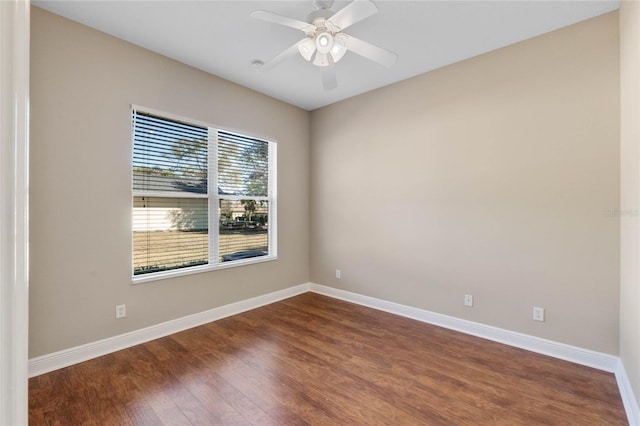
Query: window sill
{"x": 199, "y": 269}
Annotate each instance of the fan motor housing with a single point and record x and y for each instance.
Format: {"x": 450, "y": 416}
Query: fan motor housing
{"x": 318, "y": 17}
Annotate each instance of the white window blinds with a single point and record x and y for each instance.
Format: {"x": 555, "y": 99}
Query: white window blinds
{"x": 168, "y": 155}
{"x": 243, "y": 189}
{"x": 170, "y": 208}
{"x": 243, "y": 165}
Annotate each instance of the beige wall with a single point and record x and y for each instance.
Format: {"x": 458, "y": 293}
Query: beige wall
{"x": 83, "y": 83}
{"x": 630, "y": 191}
{"x": 491, "y": 177}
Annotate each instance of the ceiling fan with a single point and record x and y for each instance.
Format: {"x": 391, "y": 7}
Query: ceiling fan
{"x": 324, "y": 43}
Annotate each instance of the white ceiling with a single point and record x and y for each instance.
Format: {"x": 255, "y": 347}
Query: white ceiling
{"x": 220, "y": 38}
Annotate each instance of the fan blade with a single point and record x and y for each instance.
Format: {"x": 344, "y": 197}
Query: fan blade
{"x": 283, "y": 20}
{"x": 290, "y": 52}
{"x": 369, "y": 51}
{"x": 354, "y": 12}
{"x": 329, "y": 79}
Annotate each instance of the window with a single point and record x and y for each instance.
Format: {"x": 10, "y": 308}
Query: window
{"x": 203, "y": 198}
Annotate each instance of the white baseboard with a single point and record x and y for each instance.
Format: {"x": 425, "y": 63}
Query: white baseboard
{"x": 574, "y": 354}
{"x": 67, "y": 357}
{"x": 628, "y": 399}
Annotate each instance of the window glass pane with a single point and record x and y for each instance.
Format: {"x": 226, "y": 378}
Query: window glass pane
{"x": 168, "y": 155}
{"x": 169, "y": 233}
{"x": 243, "y": 229}
{"x": 243, "y": 165}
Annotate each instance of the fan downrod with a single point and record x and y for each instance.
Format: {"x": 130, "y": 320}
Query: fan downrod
{"x": 322, "y": 4}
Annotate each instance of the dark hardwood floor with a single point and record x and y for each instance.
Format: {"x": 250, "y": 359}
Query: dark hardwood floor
{"x": 316, "y": 360}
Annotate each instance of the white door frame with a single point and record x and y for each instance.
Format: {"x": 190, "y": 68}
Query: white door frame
{"x": 14, "y": 179}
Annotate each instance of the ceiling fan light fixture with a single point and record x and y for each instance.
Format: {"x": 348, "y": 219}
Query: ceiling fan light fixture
{"x": 307, "y": 48}
{"x": 339, "y": 47}
{"x": 324, "y": 42}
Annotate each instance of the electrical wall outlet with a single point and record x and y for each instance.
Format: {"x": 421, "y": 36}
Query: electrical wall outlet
{"x": 468, "y": 300}
{"x": 121, "y": 311}
{"x": 338, "y": 274}
{"x": 538, "y": 314}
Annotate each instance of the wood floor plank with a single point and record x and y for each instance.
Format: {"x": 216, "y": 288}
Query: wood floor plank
{"x": 341, "y": 384}
{"x": 317, "y": 360}
{"x": 221, "y": 391}
{"x": 198, "y": 377}
{"x": 300, "y": 368}
{"x": 381, "y": 367}
{"x": 463, "y": 351}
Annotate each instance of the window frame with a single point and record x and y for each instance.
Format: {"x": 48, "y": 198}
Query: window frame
{"x": 213, "y": 199}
